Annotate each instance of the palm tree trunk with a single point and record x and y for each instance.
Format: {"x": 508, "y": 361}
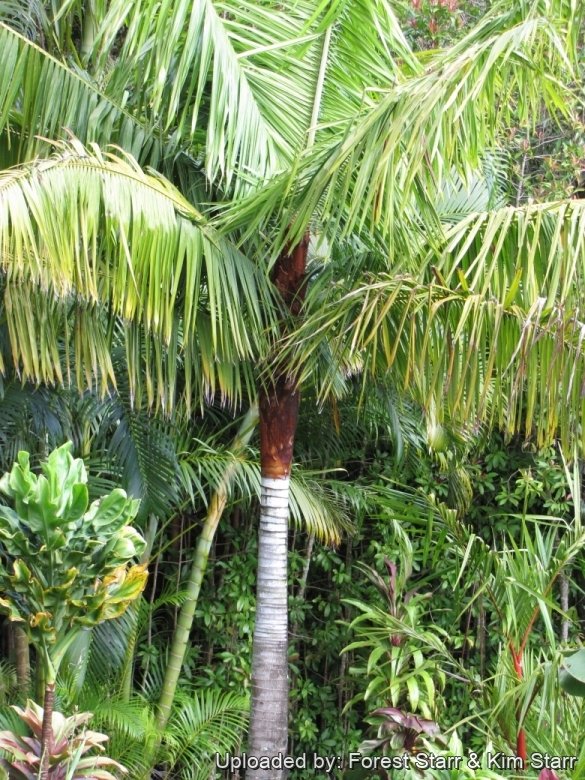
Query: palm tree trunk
{"x": 269, "y": 716}
{"x": 193, "y": 585}
{"x": 279, "y": 408}
{"x": 269, "y": 723}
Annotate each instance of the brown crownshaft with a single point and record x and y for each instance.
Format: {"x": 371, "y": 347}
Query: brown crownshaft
{"x": 279, "y": 403}
{"x": 279, "y": 410}
{"x": 288, "y": 274}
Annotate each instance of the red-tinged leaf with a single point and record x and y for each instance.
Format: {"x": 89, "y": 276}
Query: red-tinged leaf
{"x": 548, "y": 774}
{"x": 407, "y": 720}
{"x": 18, "y": 772}
{"x": 24, "y": 752}
{"x": 32, "y": 715}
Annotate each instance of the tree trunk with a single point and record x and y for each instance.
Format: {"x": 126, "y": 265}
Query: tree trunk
{"x": 269, "y": 721}
{"x": 21, "y": 660}
{"x": 279, "y": 407}
{"x": 47, "y": 730}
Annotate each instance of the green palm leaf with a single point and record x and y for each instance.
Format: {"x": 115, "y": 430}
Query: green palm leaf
{"x": 320, "y": 506}
{"x": 224, "y": 60}
{"x": 477, "y": 334}
{"x": 203, "y": 724}
{"x": 387, "y": 167}
{"x": 95, "y": 230}
{"x": 40, "y": 97}
{"x": 25, "y": 16}
{"x": 239, "y": 80}
{"x": 403, "y": 148}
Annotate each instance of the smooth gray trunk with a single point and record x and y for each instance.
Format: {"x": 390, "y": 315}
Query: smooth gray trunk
{"x": 269, "y": 719}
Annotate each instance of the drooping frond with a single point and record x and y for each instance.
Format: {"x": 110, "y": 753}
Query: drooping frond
{"x": 104, "y": 242}
{"x": 234, "y": 78}
{"x": 239, "y": 81}
{"x": 402, "y": 150}
{"x": 387, "y": 167}
{"x": 524, "y": 269}
{"x": 368, "y": 53}
{"x": 477, "y": 334}
{"x": 41, "y": 97}
{"x": 25, "y": 16}
{"x": 347, "y": 430}
{"x": 142, "y": 453}
{"x": 32, "y": 419}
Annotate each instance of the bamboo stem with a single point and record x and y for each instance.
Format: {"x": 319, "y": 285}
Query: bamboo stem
{"x": 193, "y": 585}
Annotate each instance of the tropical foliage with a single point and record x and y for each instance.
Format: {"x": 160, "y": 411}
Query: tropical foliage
{"x": 208, "y": 207}
{"x": 65, "y": 564}
{"x": 67, "y": 750}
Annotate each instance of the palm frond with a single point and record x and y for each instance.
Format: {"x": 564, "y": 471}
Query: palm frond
{"x": 41, "y": 98}
{"x": 368, "y": 53}
{"x": 346, "y": 430}
{"x": 108, "y": 652}
{"x": 239, "y": 80}
{"x": 249, "y": 68}
{"x": 402, "y": 150}
{"x": 386, "y": 168}
{"x": 10, "y": 721}
{"x": 476, "y": 335}
{"x": 32, "y": 419}
{"x": 323, "y": 506}
{"x": 527, "y": 262}
{"x": 129, "y": 725}
{"x": 480, "y": 193}
{"x": 25, "y": 16}
{"x": 126, "y": 718}
{"x": 314, "y": 504}
{"x": 203, "y": 724}
{"x": 96, "y": 231}
{"x": 142, "y": 452}
{"x": 8, "y": 683}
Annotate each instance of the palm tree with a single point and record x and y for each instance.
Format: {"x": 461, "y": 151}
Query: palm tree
{"x": 322, "y": 129}
{"x": 455, "y": 325}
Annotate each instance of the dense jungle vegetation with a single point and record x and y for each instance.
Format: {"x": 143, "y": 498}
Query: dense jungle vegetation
{"x": 312, "y": 261}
